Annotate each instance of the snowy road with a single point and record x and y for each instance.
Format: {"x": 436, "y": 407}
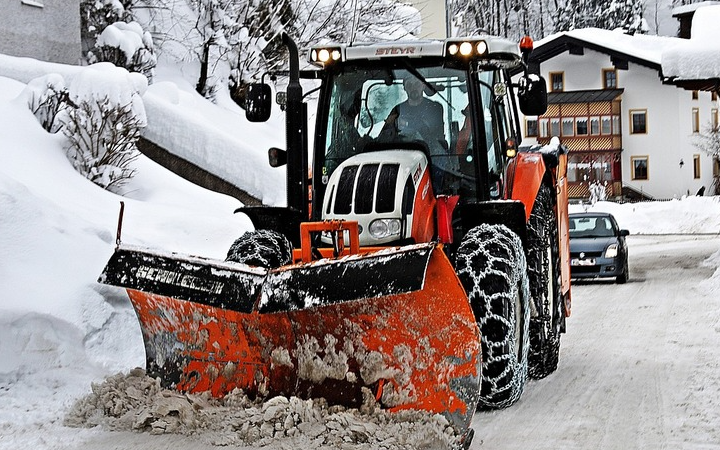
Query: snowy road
{"x": 639, "y": 366}
{"x": 639, "y": 369}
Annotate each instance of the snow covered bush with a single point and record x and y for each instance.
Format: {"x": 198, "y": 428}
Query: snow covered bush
{"x": 125, "y": 45}
{"x": 47, "y": 96}
{"x": 104, "y": 122}
{"x": 95, "y": 15}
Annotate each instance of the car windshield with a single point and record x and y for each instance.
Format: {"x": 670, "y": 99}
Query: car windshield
{"x": 591, "y": 227}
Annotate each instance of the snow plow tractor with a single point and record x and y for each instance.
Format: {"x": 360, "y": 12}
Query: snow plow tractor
{"x": 421, "y": 261}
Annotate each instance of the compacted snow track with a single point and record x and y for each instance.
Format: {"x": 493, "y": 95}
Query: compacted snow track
{"x": 639, "y": 366}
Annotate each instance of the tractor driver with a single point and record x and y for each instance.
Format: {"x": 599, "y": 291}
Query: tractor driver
{"x": 417, "y": 116}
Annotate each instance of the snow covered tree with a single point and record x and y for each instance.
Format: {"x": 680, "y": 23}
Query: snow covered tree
{"x": 125, "y": 45}
{"x": 308, "y": 22}
{"x": 509, "y": 18}
{"x": 342, "y": 21}
{"x": 96, "y": 15}
{"x": 102, "y": 123}
{"x": 575, "y": 14}
{"x": 216, "y": 21}
{"x": 624, "y": 14}
{"x": 257, "y": 47}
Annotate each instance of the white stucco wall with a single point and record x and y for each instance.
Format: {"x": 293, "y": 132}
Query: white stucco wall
{"x": 669, "y": 122}
{"x": 48, "y": 30}
{"x": 434, "y": 22}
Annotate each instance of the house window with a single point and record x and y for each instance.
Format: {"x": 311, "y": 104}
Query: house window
{"x": 638, "y": 121}
{"x": 714, "y": 119}
{"x": 594, "y": 126}
{"x": 695, "y": 120}
{"x": 696, "y": 166}
{"x": 568, "y": 126}
{"x": 694, "y": 95}
{"x": 531, "y": 127}
{"x": 616, "y": 124}
{"x": 543, "y": 124}
{"x": 557, "y": 81}
{"x": 606, "y": 125}
{"x": 581, "y": 126}
{"x": 639, "y": 167}
{"x": 555, "y": 127}
{"x": 609, "y": 78}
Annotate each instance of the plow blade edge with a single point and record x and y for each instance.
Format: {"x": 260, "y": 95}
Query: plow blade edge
{"x": 394, "y": 324}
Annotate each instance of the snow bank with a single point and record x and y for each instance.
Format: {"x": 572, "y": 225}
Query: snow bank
{"x": 689, "y": 215}
{"x": 216, "y": 138}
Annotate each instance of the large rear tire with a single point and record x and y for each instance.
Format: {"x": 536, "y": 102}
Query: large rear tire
{"x": 545, "y": 285}
{"x": 262, "y": 248}
{"x": 491, "y": 265}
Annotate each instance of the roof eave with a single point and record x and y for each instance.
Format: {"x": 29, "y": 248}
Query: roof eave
{"x": 563, "y": 43}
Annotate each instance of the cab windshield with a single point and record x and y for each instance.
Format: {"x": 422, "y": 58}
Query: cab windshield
{"x": 403, "y": 108}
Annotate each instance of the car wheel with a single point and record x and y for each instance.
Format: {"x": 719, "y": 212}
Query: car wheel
{"x": 625, "y": 275}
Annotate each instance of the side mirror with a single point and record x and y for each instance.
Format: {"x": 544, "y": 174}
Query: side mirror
{"x": 277, "y": 157}
{"x": 533, "y": 98}
{"x": 624, "y": 233}
{"x": 258, "y": 102}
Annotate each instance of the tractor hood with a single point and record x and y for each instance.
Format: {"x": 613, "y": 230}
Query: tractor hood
{"x": 378, "y": 190}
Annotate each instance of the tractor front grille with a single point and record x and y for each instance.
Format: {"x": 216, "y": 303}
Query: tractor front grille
{"x": 356, "y": 189}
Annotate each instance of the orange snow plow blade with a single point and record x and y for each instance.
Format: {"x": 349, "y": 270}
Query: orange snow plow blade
{"x": 395, "y": 324}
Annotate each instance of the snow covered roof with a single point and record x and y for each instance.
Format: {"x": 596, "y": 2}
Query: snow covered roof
{"x": 689, "y": 63}
{"x": 640, "y": 49}
{"x": 691, "y": 8}
{"x": 695, "y": 63}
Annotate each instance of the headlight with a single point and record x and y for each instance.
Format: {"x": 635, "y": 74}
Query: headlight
{"x": 324, "y": 56}
{"x": 467, "y": 49}
{"x": 382, "y": 228}
{"x": 611, "y": 251}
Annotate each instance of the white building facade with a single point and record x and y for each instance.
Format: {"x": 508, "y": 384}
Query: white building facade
{"x": 623, "y": 127}
{"x": 48, "y": 30}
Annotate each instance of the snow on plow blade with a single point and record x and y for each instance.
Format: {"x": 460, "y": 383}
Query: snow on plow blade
{"x": 396, "y": 322}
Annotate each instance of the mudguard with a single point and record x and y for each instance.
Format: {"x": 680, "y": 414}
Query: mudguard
{"x": 524, "y": 176}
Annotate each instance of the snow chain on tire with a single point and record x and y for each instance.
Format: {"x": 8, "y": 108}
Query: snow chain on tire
{"x": 491, "y": 265}
{"x": 263, "y": 248}
{"x": 544, "y": 273}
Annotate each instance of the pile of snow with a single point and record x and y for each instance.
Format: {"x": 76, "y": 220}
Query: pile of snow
{"x": 135, "y": 402}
